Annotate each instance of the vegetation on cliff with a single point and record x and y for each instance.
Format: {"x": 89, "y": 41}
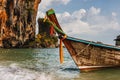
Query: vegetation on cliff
{"x": 44, "y": 39}
{"x": 47, "y": 34}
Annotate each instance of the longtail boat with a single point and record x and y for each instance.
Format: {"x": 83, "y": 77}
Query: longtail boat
{"x": 87, "y": 55}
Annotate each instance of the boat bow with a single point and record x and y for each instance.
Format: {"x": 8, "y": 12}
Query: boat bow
{"x": 84, "y": 52}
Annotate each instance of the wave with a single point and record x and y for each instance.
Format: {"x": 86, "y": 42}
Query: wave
{"x": 14, "y": 72}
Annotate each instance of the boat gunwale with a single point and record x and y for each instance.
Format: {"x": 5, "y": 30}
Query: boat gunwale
{"x": 93, "y": 43}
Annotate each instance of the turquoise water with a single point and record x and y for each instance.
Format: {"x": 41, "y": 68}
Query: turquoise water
{"x": 43, "y": 64}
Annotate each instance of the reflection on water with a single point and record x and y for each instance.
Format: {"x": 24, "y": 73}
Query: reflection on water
{"x": 43, "y": 64}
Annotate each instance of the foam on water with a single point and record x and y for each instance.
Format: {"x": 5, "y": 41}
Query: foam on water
{"x": 35, "y": 64}
{"x": 14, "y": 72}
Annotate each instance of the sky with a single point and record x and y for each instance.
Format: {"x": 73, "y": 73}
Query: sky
{"x": 93, "y": 20}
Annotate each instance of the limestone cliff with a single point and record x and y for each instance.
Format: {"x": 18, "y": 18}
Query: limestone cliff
{"x": 17, "y": 22}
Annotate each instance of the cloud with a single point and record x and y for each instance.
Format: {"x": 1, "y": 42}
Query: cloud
{"x": 94, "y": 11}
{"x": 65, "y": 2}
{"x": 46, "y": 3}
{"x": 114, "y": 14}
{"x": 87, "y": 22}
{"x": 40, "y": 14}
{"x": 79, "y": 14}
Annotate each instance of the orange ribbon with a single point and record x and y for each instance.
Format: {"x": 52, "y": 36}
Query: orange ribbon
{"x": 61, "y": 50}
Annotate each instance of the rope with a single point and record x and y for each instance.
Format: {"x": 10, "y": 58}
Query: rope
{"x": 54, "y": 25}
{"x": 83, "y": 49}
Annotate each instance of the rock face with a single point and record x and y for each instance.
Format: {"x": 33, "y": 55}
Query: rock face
{"x": 46, "y": 37}
{"x": 17, "y": 22}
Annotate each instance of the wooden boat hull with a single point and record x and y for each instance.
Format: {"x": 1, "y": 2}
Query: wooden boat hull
{"x": 88, "y": 55}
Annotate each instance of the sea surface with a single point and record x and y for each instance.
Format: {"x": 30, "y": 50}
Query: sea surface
{"x": 43, "y": 64}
